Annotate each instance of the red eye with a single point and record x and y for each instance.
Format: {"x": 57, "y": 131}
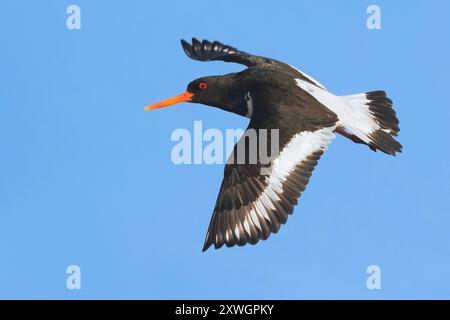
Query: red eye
{"x": 203, "y": 85}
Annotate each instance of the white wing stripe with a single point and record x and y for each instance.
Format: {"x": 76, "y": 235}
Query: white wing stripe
{"x": 297, "y": 150}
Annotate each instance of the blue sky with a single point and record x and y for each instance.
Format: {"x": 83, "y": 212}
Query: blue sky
{"x": 87, "y": 179}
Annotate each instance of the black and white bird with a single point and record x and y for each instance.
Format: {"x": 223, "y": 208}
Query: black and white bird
{"x": 274, "y": 95}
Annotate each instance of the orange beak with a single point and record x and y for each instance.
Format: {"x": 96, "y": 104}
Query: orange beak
{"x": 184, "y": 97}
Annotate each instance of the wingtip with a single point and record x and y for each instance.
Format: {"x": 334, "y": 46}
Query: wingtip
{"x": 186, "y": 47}
{"x": 183, "y": 42}
{"x": 208, "y": 242}
{"x": 206, "y": 246}
{"x": 206, "y": 50}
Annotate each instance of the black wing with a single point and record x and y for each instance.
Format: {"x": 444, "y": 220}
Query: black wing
{"x": 207, "y": 51}
{"x": 213, "y": 51}
{"x": 255, "y": 199}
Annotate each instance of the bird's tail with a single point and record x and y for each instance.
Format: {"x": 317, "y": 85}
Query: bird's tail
{"x": 374, "y": 121}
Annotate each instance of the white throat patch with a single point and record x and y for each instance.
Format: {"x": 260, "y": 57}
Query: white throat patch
{"x": 248, "y": 99}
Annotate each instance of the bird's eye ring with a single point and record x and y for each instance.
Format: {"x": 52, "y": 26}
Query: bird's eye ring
{"x": 203, "y": 85}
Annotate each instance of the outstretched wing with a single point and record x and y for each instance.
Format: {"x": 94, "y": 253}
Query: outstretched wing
{"x": 207, "y": 51}
{"x": 213, "y": 51}
{"x": 255, "y": 200}
{"x": 252, "y": 205}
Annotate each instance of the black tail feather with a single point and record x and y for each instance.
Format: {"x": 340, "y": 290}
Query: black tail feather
{"x": 380, "y": 106}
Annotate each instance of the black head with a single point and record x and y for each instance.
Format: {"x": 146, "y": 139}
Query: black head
{"x": 215, "y": 91}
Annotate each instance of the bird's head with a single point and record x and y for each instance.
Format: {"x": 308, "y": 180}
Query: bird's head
{"x": 212, "y": 90}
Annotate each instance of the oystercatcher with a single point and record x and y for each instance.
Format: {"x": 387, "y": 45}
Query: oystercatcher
{"x": 274, "y": 95}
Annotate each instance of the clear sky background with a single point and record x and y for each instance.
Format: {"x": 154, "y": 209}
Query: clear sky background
{"x": 86, "y": 176}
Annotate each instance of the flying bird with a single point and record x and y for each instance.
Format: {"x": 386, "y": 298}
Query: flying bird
{"x": 252, "y": 204}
